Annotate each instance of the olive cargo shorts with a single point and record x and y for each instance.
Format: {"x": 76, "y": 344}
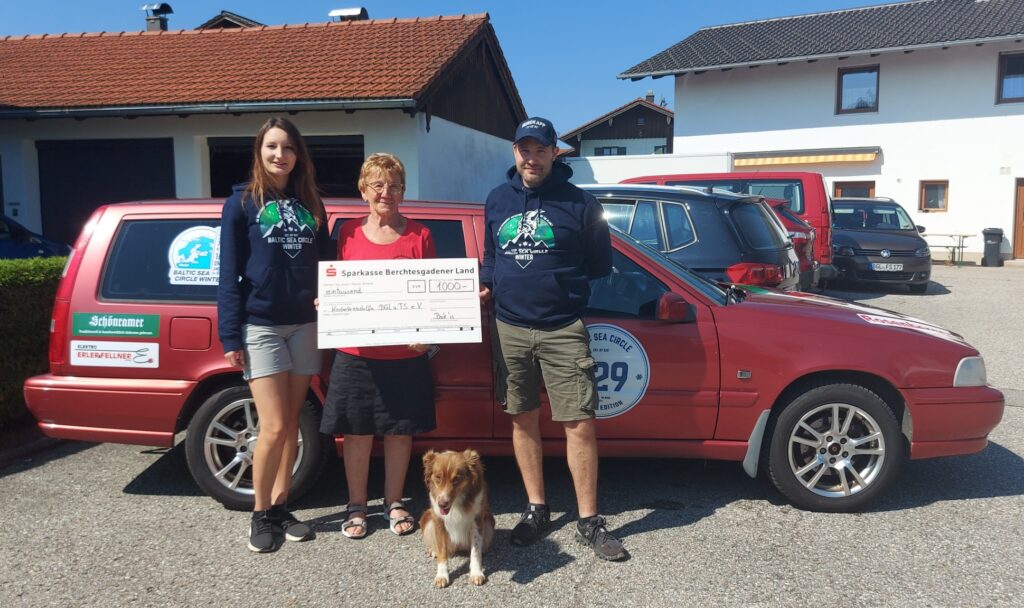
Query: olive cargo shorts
{"x": 562, "y": 357}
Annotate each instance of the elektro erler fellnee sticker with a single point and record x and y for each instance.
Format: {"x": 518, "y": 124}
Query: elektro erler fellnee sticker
{"x": 622, "y": 369}
{"x": 115, "y": 354}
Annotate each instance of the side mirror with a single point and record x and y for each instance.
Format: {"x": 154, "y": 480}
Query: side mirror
{"x": 672, "y": 308}
{"x": 920, "y": 229}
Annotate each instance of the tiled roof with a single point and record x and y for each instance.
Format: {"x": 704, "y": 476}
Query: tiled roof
{"x": 639, "y": 101}
{"x": 920, "y": 23}
{"x": 392, "y": 59}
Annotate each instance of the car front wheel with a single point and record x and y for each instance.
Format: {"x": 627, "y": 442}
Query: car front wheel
{"x": 834, "y": 448}
{"x": 221, "y": 439}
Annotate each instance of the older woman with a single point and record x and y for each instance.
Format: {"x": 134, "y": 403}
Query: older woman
{"x": 382, "y": 390}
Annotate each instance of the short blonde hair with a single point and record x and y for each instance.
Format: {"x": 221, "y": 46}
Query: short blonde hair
{"x": 380, "y": 163}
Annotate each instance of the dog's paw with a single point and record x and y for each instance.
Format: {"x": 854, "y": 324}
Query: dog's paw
{"x": 477, "y": 579}
{"x": 440, "y": 582}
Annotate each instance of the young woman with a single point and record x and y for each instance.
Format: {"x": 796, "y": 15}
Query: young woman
{"x": 273, "y": 233}
{"x": 382, "y": 390}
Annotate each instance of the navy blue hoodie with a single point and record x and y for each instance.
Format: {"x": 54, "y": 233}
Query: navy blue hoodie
{"x": 268, "y": 265}
{"x": 541, "y": 248}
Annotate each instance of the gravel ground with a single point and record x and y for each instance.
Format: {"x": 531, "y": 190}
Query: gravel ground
{"x": 115, "y": 525}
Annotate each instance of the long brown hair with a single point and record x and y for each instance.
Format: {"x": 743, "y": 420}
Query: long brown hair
{"x": 302, "y": 179}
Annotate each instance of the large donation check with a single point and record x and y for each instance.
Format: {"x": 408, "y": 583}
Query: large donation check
{"x": 396, "y": 302}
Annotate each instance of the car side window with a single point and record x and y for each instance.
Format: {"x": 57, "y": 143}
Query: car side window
{"x": 645, "y": 225}
{"x": 448, "y": 235}
{"x": 139, "y": 264}
{"x": 628, "y": 292}
{"x": 678, "y": 225}
{"x": 619, "y": 214}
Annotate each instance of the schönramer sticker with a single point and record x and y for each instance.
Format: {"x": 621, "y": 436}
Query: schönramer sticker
{"x": 622, "y": 369}
{"x": 194, "y": 256}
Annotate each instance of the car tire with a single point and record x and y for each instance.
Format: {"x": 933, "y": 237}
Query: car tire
{"x": 821, "y": 461}
{"x": 220, "y": 440}
{"x": 918, "y": 287}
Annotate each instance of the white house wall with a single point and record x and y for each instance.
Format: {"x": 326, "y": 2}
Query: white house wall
{"x": 382, "y": 130}
{"x": 937, "y": 120}
{"x": 457, "y": 163}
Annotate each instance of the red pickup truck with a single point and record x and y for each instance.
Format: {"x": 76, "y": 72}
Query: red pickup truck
{"x": 804, "y": 196}
{"x": 684, "y": 367}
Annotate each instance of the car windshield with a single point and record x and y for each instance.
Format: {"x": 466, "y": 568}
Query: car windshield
{"x": 708, "y": 288}
{"x": 870, "y": 216}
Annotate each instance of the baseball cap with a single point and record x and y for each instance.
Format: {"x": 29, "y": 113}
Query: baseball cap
{"x": 538, "y": 128}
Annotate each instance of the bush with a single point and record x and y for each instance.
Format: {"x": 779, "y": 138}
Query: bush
{"x": 27, "y": 288}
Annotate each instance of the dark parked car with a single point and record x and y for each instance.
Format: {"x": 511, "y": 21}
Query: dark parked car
{"x": 874, "y": 240}
{"x": 726, "y": 237}
{"x": 17, "y": 241}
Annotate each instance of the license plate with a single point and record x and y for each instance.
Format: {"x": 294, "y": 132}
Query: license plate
{"x": 886, "y": 267}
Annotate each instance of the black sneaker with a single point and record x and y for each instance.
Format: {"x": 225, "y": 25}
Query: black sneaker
{"x": 261, "y": 533}
{"x": 593, "y": 533}
{"x": 532, "y": 525}
{"x": 294, "y": 530}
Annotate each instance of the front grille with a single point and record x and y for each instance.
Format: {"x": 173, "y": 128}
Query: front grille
{"x": 895, "y": 253}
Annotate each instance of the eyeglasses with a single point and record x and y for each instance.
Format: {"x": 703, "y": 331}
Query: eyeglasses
{"x": 379, "y": 188}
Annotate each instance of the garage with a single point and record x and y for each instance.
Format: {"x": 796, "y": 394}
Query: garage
{"x": 77, "y": 176}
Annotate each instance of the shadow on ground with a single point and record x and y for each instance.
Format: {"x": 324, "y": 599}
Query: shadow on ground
{"x": 872, "y": 291}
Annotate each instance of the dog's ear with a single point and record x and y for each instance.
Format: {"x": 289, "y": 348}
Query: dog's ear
{"x": 428, "y": 466}
{"x": 473, "y": 460}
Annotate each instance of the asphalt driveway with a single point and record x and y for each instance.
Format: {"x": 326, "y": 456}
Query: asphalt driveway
{"x": 112, "y": 525}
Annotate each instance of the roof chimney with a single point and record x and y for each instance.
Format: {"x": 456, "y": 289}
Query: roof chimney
{"x": 650, "y": 96}
{"x": 156, "y": 16}
{"x": 357, "y": 13}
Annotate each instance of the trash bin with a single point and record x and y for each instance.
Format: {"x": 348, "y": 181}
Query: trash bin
{"x": 993, "y": 245}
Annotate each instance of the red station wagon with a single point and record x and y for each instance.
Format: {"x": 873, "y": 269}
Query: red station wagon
{"x": 685, "y": 368}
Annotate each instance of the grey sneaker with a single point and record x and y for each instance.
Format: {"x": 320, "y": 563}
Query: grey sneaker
{"x": 294, "y": 530}
{"x": 593, "y": 533}
{"x": 261, "y": 533}
{"x": 532, "y": 525}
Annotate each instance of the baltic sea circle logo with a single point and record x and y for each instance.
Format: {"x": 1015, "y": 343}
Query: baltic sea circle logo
{"x": 622, "y": 369}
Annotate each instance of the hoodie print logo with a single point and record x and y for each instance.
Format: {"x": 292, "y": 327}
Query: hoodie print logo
{"x": 287, "y": 224}
{"x": 525, "y": 235}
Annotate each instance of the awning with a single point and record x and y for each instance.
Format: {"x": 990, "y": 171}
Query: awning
{"x": 805, "y": 157}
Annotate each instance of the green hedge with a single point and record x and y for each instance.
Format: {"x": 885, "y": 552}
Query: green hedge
{"x": 27, "y": 288}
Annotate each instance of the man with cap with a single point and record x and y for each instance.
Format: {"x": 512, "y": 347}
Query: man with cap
{"x": 545, "y": 240}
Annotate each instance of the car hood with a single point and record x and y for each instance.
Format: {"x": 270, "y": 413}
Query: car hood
{"x": 878, "y": 239}
{"x": 811, "y": 308}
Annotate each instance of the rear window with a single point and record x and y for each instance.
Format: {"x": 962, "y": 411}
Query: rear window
{"x": 163, "y": 260}
{"x": 788, "y": 190}
{"x": 758, "y": 227}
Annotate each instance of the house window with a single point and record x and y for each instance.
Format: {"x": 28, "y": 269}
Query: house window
{"x": 934, "y": 195}
{"x": 661, "y": 149}
{"x": 1011, "y": 78}
{"x": 854, "y": 189}
{"x": 857, "y": 90}
{"x": 640, "y": 121}
{"x": 610, "y": 151}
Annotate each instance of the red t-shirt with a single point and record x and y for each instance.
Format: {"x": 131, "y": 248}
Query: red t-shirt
{"x": 414, "y": 244}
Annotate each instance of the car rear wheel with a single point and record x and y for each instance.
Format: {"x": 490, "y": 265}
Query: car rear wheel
{"x": 834, "y": 448}
{"x": 220, "y": 442}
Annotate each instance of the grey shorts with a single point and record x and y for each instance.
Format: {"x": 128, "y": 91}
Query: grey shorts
{"x": 561, "y": 356}
{"x": 270, "y": 349}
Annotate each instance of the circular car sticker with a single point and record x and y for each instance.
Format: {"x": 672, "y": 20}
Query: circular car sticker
{"x": 195, "y": 257}
{"x": 621, "y": 369}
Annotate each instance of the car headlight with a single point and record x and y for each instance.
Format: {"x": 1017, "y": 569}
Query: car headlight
{"x": 970, "y": 372}
{"x": 923, "y": 252}
{"x": 842, "y": 250}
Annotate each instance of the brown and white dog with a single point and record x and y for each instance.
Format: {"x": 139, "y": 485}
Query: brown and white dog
{"x": 459, "y": 518}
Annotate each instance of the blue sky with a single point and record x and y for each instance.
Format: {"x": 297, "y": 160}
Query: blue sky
{"x": 564, "y": 54}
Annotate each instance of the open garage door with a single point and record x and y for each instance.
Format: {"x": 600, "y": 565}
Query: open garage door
{"x": 76, "y": 176}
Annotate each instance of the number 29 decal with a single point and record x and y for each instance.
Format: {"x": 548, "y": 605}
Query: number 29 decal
{"x": 621, "y": 369}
